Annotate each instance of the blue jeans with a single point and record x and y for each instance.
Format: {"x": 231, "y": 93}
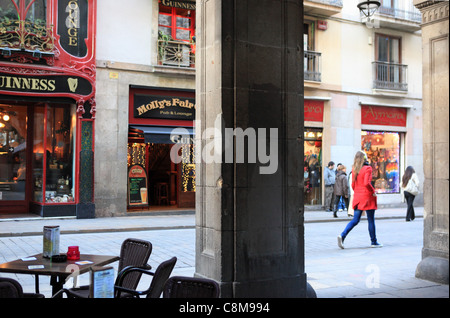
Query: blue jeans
{"x": 355, "y": 221}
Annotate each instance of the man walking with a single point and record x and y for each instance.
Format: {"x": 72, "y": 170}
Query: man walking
{"x": 329, "y": 180}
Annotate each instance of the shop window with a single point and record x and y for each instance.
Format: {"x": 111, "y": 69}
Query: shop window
{"x": 312, "y": 166}
{"x": 383, "y": 152}
{"x": 53, "y": 172}
{"x": 13, "y": 141}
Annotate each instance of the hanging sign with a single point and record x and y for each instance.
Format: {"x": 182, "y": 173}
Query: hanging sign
{"x": 383, "y": 115}
{"x": 73, "y": 26}
{"x": 137, "y": 186}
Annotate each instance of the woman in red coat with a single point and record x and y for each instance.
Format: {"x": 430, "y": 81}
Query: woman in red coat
{"x": 364, "y": 198}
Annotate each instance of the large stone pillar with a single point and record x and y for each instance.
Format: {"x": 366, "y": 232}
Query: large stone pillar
{"x": 435, "y": 41}
{"x": 249, "y": 209}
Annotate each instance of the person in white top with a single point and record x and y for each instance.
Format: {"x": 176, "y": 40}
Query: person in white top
{"x": 410, "y": 186}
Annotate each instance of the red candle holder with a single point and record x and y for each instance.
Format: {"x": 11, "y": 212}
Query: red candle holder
{"x": 73, "y": 253}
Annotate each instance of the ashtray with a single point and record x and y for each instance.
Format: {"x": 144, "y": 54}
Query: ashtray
{"x": 59, "y": 258}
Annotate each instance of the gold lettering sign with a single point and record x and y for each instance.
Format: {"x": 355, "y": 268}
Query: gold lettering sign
{"x": 179, "y": 4}
{"x": 383, "y": 115}
{"x": 73, "y": 22}
{"x": 27, "y": 83}
{"x": 161, "y": 104}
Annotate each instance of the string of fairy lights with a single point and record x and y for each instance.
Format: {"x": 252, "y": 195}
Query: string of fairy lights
{"x": 188, "y": 168}
{"x": 136, "y": 154}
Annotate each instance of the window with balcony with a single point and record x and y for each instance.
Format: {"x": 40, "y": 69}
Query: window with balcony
{"x": 312, "y": 67}
{"x": 23, "y": 27}
{"x": 388, "y": 71}
{"x": 176, "y": 36}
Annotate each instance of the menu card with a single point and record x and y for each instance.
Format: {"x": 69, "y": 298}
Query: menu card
{"x": 102, "y": 282}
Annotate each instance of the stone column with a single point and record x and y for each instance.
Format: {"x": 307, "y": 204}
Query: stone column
{"x": 249, "y": 208}
{"x": 435, "y": 41}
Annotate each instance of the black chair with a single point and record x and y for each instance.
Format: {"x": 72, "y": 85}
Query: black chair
{"x": 133, "y": 253}
{"x": 160, "y": 277}
{"x": 10, "y": 288}
{"x": 190, "y": 287}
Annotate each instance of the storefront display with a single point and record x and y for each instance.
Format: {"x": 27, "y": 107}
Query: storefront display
{"x": 383, "y": 152}
{"x": 154, "y": 114}
{"x": 48, "y": 107}
{"x": 53, "y": 154}
{"x": 313, "y": 114}
{"x": 312, "y": 166}
{"x": 13, "y": 154}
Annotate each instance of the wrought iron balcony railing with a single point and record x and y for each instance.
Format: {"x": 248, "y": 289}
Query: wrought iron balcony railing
{"x": 26, "y": 35}
{"x": 176, "y": 53}
{"x": 390, "y": 76}
{"x": 337, "y": 3}
{"x": 414, "y": 15}
{"x": 312, "y": 66}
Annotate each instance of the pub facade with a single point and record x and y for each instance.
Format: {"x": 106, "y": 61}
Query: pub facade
{"x": 47, "y": 107}
{"x": 145, "y": 94}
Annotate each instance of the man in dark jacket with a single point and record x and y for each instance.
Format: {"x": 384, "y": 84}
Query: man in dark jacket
{"x": 329, "y": 177}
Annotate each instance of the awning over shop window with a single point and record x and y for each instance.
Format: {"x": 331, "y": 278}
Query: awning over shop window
{"x": 167, "y": 135}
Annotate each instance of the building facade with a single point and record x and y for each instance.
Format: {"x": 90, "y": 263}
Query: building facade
{"x": 146, "y": 88}
{"x": 363, "y": 91}
{"x": 362, "y": 87}
{"x": 47, "y": 107}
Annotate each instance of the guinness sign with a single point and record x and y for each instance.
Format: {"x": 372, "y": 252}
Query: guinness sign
{"x": 51, "y": 84}
{"x": 179, "y": 4}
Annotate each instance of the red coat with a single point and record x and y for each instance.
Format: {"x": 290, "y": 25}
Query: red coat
{"x": 363, "y": 198}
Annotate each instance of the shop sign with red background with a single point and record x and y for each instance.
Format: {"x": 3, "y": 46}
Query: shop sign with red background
{"x": 383, "y": 115}
{"x": 313, "y": 110}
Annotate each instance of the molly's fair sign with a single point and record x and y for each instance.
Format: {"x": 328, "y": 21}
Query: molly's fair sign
{"x": 163, "y": 107}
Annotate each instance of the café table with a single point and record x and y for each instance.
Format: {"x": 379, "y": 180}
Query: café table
{"x": 58, "y": 271}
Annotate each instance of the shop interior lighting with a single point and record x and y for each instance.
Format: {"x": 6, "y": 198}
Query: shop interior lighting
{"x": 368, "y": 8}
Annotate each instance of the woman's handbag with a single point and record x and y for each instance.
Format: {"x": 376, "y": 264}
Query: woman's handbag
{"x": 412, "y": 188}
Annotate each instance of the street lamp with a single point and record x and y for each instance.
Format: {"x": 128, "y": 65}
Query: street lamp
{"x": 368, "y": 8}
